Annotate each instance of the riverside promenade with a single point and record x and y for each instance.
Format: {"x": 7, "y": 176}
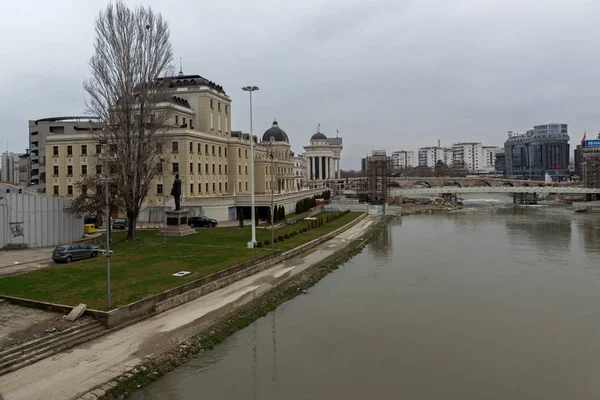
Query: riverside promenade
{"x": 81, "y": 371}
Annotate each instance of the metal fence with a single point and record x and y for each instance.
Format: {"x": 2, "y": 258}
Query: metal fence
{"x": 36, "y": 221}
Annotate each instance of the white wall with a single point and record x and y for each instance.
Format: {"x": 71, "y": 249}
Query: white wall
{"x": 37, "y": 221}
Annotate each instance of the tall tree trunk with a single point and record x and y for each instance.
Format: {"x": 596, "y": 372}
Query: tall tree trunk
{"x": 132, "y": 225}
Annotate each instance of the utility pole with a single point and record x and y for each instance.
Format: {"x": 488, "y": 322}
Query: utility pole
{"x": 104, "y": 142}
{"x": 162, "y": 168}
{"x": 252, "y": 213}
{"x": 272, "y": 199}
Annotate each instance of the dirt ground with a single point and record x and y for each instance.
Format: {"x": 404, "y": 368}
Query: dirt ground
{"x": 21, "y": 324}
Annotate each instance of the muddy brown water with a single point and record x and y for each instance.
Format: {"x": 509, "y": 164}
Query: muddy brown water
{"x": 492, "y": 302}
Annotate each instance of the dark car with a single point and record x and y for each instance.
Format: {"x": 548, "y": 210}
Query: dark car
{"x": 71, "y": 252}
{"x": 202, "y": 222}
{"x": 120, "y": 223}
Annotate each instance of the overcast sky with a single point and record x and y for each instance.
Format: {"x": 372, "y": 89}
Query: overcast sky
{"x": 387, "y": 74}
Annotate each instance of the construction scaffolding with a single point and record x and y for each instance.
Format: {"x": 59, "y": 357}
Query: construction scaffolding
{"x": 374, "y": 189}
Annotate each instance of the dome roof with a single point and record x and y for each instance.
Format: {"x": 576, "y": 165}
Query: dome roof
{"x": 318, "y": 136}
{"x": 276, "y": 133}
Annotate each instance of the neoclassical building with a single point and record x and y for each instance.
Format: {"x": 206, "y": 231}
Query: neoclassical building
{"x": 213, "y": 161}
{"x": 323, "y": 157}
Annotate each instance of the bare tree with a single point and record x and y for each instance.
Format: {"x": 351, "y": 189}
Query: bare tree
{"x": 91, "y": 200}
{"x": 129, "y": 94}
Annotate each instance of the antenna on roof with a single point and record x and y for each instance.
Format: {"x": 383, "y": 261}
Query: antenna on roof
{"x": 180, "y": 66}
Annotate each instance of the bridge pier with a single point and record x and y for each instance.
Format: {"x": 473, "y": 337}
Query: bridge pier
{"x": 450, "y": 197}
{"x": 525, "y": 198}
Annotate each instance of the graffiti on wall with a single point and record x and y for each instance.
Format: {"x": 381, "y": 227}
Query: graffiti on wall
{"x": 17, "y": 229}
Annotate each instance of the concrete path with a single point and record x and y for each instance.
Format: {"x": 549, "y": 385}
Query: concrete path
{"x": 14, "y": 262}
{"x": 76, "y": 372}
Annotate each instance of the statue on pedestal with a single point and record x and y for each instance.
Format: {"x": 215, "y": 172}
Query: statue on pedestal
{"x": 176, "y": 192}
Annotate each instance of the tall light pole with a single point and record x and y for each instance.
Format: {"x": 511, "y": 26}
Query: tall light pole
{"x": 272, "y": 198}
{"x": 104, "y": 142}
{"x": 162, "y": 169}
{"x": 253, "y": 242}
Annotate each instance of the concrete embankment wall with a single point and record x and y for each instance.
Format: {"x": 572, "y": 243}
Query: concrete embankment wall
{"x": 182, "y": 294}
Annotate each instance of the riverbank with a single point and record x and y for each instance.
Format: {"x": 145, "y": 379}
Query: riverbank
{"x": 416, "y": 206}
{"x": 217, "y": 330}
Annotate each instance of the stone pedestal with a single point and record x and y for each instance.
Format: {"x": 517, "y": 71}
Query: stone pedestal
{"x": 177, "y": 223}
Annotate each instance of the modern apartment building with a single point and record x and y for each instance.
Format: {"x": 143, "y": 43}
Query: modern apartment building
{"x": 300, "y": 170}
{"x": 212, "y": 161}
{"x": 468, "y": 155}
{"x": 402, "y": 159}
{"x": 540, "y": 151}
{"x": 489, "y": 156}
{"x": 429, "y": 156}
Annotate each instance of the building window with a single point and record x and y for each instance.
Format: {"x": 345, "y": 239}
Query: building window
{"x": 213, "y": 150}
{"x": 69, "y": 150}
{"x": 177, "y": 120}
{"x": 240, "y": 153}
{"x": 219, "y": 106}
{"x": 206, "y": 169}
{"x": 214, "y": 187}
{"x": 246, "y": 186}
{"x": 83, "y": 149}
{"x": 191, "y": 147}
{"x": 225, "y": 151}
{"x": 199, "y": 188}
{"x": 206, "y": 149}
{"x": 213, "y": 169}
{"x": 55, "y": 170}
{"x": 207, "y": 188}
{"x": 240, "y": 186}
{"x": 220, "y": 169}
{"x": 55, "y": 150}
{"x": 225, "y": 186}
{"x": 211, "y": 104}
{"x": 98, "y": 169}
{"x": 159, "y": 148}
{"x": 184, "y": 121}
{"x": 199, "y": 169}
{"x": 159, "y": 167}
{"x": 191, "y": 124}
{"x": 56, "y": 190}
{"x": 70, "y": 190}
{"x": 84, "y": 170}
{"x": 246, "y": 153}
{"x": 175, "y": 168}
{"x": 226, "y": 109}
{"x": 191, "y": 188}
{"x": 98, "y": 149}
{"x": 240, "y": 169}
{"x": 175, "y": 147}
{"x": 246, "y": 170}
{"x": 159, "y": 189}
{"x": 69, "y": 170}
{"x": 225, "y": 169}
{"x": 191, "y": 168}
{"x": 199, "y": 148}
{"x": 220, "y": 187}
{"x": 219, "y": 151}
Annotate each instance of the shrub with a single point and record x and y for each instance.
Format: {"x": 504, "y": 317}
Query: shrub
{"x": 280, "y": 238}
{"x": 275, "y": 240}
{"x": 267, "y": 242}
{"x": 259, "y": 244}
{"x": 286, "y": 236}
{"x": 305, "y": 229}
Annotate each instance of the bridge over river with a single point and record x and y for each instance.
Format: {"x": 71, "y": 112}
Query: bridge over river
{"x": 492, "y": 189}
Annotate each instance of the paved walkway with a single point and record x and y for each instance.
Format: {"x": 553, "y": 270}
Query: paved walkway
{"x": 13, "y": 262}
{"x": 76, "y": 372}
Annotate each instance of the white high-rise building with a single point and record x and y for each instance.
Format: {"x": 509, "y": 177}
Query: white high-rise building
{"x": 403, "y": 159}
{"x": 469, "y": 155}
{"x": 429, "y": 156}
{"x": 10, "y": 168}
{"x": 489, "y": 155}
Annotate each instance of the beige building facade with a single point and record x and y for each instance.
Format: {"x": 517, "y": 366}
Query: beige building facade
{"x": 213, "y": 162}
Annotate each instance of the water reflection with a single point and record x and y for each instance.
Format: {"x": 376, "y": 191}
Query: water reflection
{"x": 488, "y": 304}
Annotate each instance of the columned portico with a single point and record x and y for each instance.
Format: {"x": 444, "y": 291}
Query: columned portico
{"x": 323, "y": 157}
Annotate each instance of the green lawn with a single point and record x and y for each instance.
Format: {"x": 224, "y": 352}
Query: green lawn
{"x": 144, "y": 266}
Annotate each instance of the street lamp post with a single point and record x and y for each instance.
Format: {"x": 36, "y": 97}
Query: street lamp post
{"x": 252, "y": 212}
{"x": 272, "y": 199}
{"x": 162, "y": 169}
{"x": 104, "y": 142}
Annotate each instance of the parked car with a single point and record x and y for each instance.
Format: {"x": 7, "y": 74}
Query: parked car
{"x": 120, "y": 223}
{"x": 202, "y": 222}
{"x": 71, "y": 252}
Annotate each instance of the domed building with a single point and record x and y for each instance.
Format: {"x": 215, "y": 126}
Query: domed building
{"x": 279, "y": 170}
{"x": 323, "y": 157}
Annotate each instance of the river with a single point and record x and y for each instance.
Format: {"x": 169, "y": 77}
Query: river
{"x": 491, "y": 302}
